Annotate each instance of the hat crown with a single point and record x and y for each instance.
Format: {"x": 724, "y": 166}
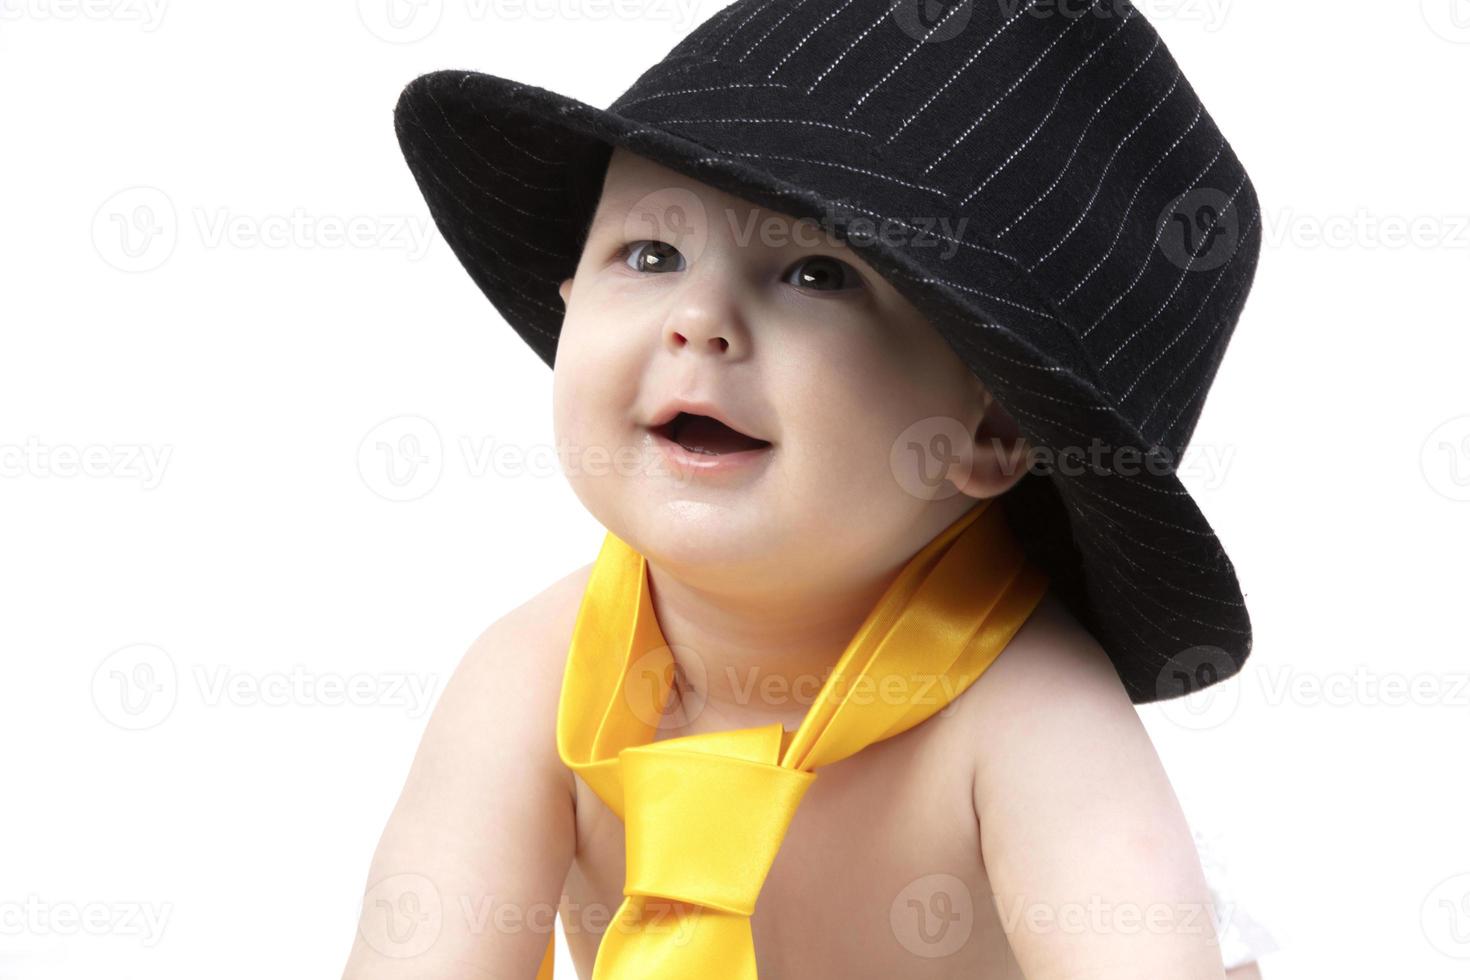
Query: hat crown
{"x": 1051, "y": 150}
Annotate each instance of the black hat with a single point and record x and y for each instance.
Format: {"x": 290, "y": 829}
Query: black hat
{"x": 1109, "y": 240}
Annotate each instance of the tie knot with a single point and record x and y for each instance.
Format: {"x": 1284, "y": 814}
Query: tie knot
{"x": 702, "y": 826}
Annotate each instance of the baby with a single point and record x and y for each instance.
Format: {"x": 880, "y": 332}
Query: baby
{"x": 737, "y": 392}
{"x": 1007, "y": 836}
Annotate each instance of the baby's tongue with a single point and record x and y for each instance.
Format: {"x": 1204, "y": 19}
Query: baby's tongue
{"x": 703, "y": 434}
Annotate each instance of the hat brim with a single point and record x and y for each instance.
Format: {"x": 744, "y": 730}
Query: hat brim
{"x": 511, "y": 173}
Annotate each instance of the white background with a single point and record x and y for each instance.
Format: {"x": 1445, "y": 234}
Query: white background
{"x": 246, "y": 391}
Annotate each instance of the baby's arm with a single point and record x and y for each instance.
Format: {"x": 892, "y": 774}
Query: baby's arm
{"x": 1092, "y": 865}
{"x": 469, "y": 871}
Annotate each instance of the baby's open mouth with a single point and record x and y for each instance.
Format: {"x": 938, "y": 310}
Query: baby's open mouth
{"x": 702, "y": 434}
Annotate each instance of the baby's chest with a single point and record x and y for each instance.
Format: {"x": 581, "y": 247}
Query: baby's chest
{"x": 879, "y": 876}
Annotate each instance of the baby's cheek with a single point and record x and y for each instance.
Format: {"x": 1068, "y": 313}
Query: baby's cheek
{"x": 841, "y": 453}
{"x": 576, "y": 394}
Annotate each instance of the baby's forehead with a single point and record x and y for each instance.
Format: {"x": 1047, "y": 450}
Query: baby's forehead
{"x": 639, "y": 189}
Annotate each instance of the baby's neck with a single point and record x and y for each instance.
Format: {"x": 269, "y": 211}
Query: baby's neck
{"x": 744, "y": 662}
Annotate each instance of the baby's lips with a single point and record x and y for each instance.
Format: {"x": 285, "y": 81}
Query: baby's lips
{"x": 672, "y": 409}
{"x": 702, "y": 433}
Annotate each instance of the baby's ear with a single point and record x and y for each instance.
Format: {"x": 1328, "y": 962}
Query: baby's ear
{"x": 565, "y": 289}
{"x": 996, "y": 458}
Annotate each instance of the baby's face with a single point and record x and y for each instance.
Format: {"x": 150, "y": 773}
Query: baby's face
{"x": 685, "y": 292}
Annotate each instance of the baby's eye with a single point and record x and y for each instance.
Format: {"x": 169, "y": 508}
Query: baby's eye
{"x": 825, "y": 274}
{"x": 658, "y": 259}
{"x": 821, "y": 273}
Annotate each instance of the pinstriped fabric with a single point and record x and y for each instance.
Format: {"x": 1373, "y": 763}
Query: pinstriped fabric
{"x": 1101, "y": 238}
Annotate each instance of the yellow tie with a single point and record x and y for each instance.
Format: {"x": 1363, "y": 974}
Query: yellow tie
{"x": 704, "y": 815}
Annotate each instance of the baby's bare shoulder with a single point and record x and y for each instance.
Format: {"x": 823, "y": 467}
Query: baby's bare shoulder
{"x": 541, "y": 625}
{"x": 530, "y": 640}
{"x": 1051, "y": 708}
{"x": 1071, "y": 797}
{"x": 487, "y": 809}
{"x": 508, "y": 685}
{"x": 1050, "y": 669}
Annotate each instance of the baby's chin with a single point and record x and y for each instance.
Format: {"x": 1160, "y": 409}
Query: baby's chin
{"x": 716, "y": 543}
{"x": 697, "y": 530}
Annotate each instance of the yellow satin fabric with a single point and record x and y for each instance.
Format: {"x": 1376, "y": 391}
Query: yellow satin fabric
{"x": 704, "y": 815}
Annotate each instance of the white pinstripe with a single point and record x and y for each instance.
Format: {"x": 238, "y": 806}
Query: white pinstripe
{"x": 841, "y": 166}
{"x": 1142, "y": 617}
{"x": 1229, "y": 306}
{"x": 809, "y": 35}
{"x": 1039, "y": 126}
{"x": 1013, "y": 86}
{"x": 1158, "y": 234}
{"x": 485, "y": 191}
{"x": 691, "y": 91}
{"x": 845, "y": 51}
{"x": 919, "y": 44}
{"x": 801, "y": 122}
{"x": 980, "y": 292}
{"x": 1078, "y": 144}
{"x": 1183, "y": 274}
{"x": 712, "y": 25}
{"x": 1013, "y": 385}
{"x": 1204, "y": 302}
{"x": 936, "y": 234}
{"x": 1118, "y": 530}
{"x": 1122, "y": 220}
{"x": 479, "y": 156}
{"x": 755, "y": 9}
{"x": 779, "y": 21}
{"x": 1194, "y": 532}
{"x": 496, "y": 129}
{"x": 1143, "y": 646}
{"x": 1050, "y": 422}
{"x": 1102, "y": 178}
{"x": 526, "y": 297}
{"x": 1140, "y": 571}
{"x": 1175, "y": 613}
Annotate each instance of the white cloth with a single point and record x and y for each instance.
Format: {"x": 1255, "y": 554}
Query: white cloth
{"x": 1244, "y": 936}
